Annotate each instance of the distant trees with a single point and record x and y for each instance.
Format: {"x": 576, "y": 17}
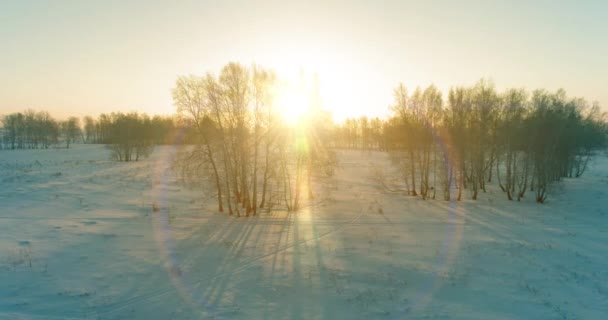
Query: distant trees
{"x": 452, "y": 146}
{"x": 90, "y": 130}
{"x": 130, "y": 136}
{"x": 527, "y": 142}
{"x": 70, "y": 130}
{"x": 29, "y": 130}
{"x": 358, "y": 133}
{"x": 159, "y": 129}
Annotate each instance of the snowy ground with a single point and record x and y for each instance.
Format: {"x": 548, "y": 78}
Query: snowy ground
{"x": 79, "y": 240}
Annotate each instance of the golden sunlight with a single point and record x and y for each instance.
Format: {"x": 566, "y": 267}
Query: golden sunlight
{"x": 303, "y": 159}
{"x": 318, "y": 78}
{"x": 293, "y": 103}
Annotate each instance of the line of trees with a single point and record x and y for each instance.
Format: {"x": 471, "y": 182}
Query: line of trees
{"x": 252, "y": 158}
{"x": 526, "y": 141}
{"x": 359, "y": 133}
{"x": 158, "y": 129}
{"x": 35, "y": 130}
{"x": 130, "y": 136}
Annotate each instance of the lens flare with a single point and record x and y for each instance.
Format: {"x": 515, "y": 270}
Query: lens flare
{"x": 186, "y": 286}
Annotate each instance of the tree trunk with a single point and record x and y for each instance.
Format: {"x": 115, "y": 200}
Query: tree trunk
{"x": 413, "y": 171}
{"x": 265, "y": 182}
{"x": 217, "y": 179}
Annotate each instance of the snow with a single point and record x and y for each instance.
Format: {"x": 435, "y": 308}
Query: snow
{"x": 79, "y": 240}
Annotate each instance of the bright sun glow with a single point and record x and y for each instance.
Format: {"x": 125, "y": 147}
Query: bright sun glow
{"x": 293, "y": 103}
{"x": 334, "y": 75}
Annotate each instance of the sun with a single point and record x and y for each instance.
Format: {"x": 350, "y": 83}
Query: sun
{"x": 307, "y": 93}
{"x": 322, "y": 78}
{"x": 293, "y": 103}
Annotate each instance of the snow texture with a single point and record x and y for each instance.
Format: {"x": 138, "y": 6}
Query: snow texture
{"x": 79, "y": 240}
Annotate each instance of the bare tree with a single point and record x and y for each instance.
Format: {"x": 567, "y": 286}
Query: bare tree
{"x": 70, "y": 130}
{"x": 90, "y": 130}
{"x": 194, "y": 97}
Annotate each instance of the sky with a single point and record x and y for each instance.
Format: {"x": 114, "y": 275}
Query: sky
{"x": 91, "y": 57}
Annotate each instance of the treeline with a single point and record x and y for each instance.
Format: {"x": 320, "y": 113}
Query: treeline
{"x": 111, "y": 128}
{"x": 129, "y": 135}
{"x": 34, "y": 130}
{"x": 132, "y": 136}
{"x": 251, "y": 157}
{"x": 359, "y": 133}
{"x": 525, "y": 141}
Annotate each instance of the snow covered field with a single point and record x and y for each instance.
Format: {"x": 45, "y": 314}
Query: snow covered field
{"x": 79, "y": 240}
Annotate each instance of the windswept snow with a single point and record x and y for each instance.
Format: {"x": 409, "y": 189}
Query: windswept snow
{"x": 79, "y": 240}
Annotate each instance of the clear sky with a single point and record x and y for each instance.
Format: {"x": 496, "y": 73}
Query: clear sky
{"x": 87, "y": 57}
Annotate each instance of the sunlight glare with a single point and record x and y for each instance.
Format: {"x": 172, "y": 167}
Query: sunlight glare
{"x": 336, "y": 78}
{"x": 293, "y": 103}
